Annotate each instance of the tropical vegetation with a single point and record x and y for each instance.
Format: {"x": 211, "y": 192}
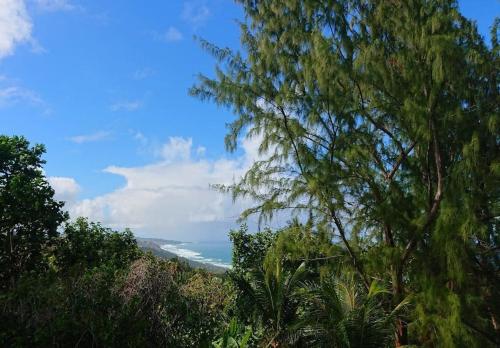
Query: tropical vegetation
{"x": 379, "y": 132}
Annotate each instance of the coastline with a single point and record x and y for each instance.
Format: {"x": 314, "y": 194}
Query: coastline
{"x": 193, "y": 255}
{"x": 170, "y": 249}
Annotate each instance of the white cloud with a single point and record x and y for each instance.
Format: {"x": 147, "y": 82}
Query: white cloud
{"x": 86, "y": 138}
{"x": 66, "y": 189}
{"x": 126, "y": 105}
{"x": 177, "y": 149}
{"x": 201, "y": 150}
{"x": 172, "y": 35}
{"x": 15, "y": 26}
{"x": 142, "y": 74}
{"x": 140, "y": 137}
{"x": 147, "y": 147}
{"x": 36, "y": 47}
{"x": 13, "y": 95}
{"x": 195, "y": 13}
{"x": 172, "y": 198}
{"x": 55, "y": 5}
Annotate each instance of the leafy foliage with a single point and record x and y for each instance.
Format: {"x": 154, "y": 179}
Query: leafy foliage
{"x": 299, "y": 297}
{"x": 232, "y": 336}
{"x": 338, "y": 312}
{"x": 29, "y": 215}
{"x": 379, "y": 120}
{"x": 87, "y": 245}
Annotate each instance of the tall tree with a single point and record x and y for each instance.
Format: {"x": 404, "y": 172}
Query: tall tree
{"x": 29, "y": 215}
{"x": 381, "y": 119}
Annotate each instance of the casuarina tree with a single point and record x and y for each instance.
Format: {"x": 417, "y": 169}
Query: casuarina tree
{"x": 379, "y": 119}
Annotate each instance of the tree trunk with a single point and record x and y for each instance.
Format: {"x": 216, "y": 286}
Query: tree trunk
{"x": 401, "y": 325}
{"x": 401, "y": 333}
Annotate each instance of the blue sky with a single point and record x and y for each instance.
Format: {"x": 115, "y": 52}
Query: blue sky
{"x": 103, "y": 84}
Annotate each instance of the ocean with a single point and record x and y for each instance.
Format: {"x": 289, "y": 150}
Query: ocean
{"x": 217, "y": 253}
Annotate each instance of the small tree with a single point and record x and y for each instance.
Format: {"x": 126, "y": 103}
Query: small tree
{"x": 29, "y": 215}
{"x": 85, "y": 245}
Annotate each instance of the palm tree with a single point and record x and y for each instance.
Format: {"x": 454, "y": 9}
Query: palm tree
{"x": 271, "y": 290}
{"x": 294, "y": 308}
{"x": 338, "y": 312}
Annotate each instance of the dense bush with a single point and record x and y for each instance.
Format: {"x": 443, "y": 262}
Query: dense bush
{"x": 149, "y": 302}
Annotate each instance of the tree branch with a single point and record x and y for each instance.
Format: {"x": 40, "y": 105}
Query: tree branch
{"x": 402, "y": 157}
{"x": 437, "y": 196}
{"x": 351, "y": 252}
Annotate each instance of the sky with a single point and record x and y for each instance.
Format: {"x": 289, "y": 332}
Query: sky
{"x": 104, "y": 85}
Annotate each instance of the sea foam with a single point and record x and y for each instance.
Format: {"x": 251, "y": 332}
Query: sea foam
{"x": 192, "y": 255}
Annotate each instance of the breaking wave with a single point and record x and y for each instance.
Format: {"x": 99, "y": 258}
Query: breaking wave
{"x": 192, "y": 255}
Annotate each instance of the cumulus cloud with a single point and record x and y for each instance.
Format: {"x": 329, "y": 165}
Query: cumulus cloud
{"x": 86, "y": 138}
{"x": 173, "y": 34}
{"x": 173, "y": 198}
{"x": 177, "y": 148}
{"x": 126, "y": 105}
{"x": 66, "y": 189}
{"x": 201, "y": 150}
{"x": 15, "y": 26}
